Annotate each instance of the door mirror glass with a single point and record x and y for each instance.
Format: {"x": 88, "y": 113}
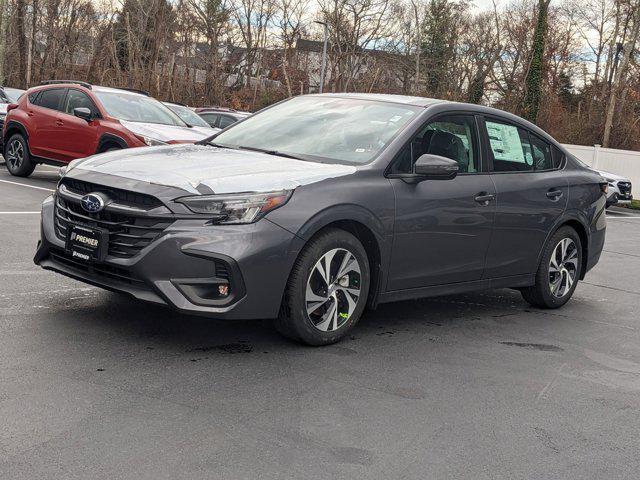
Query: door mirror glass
{"x": 435, "y": 167}
{"x": 83, "y": 112}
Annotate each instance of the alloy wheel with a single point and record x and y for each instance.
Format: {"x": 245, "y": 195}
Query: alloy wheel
{"x": 333, "y": 289}
{"x": 15, "y": 154}
{"x": 563, "y": 267}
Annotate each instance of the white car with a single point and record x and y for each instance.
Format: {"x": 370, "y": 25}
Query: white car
{"x": 7, "y": 95}
{"x": 191, "y": 118}
{"x": 619, "y": 191}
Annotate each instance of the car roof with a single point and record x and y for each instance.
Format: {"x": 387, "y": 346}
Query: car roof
{"x": 94, "y": 88}
{"x": 445, "y": 105}
{"x": 98, "y": 88}
{"x": 383, "y": 97}
{"x": 229, "y": 111}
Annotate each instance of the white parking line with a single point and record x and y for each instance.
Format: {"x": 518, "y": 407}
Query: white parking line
{"x": 29, "y": 186}
{"x": 18, "y": 213}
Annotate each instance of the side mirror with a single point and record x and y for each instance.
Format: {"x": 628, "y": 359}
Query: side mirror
{"x": 435, "y": 167}
{"x": 84, "y": 113}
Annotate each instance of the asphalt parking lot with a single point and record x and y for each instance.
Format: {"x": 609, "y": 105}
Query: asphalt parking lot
{"x": 94, "y": 385}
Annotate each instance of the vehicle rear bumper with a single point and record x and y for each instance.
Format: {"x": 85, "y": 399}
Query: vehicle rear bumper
{"x": 597, "y": 233}
{"x": 185, "y": 265}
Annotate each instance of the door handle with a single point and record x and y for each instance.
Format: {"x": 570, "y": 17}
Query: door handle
{"x": 30, "y": 113}
{"x": 59, "y": 123}
{"x": 554, "y": 194}
{"x": 484, "y": 198}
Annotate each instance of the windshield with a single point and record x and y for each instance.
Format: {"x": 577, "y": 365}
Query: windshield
{"x": 187, "y": 115}
{"x": 324, "y": 128}
{"x": 13, "y": 94}
{"x": 137, "y": 108}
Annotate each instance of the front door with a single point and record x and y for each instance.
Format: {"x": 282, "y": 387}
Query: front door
{"x": 442, "y": 227}
{"x": 531, "y": 196}
{"x": 79, "y": 138}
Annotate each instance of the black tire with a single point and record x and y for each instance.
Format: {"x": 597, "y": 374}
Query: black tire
{"x": 294, "y": 321}
{"x": 17, "y": 156}
{"x": 541, "y": 294}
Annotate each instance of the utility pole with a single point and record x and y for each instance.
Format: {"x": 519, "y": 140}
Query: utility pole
{"x": 324, "y": 53}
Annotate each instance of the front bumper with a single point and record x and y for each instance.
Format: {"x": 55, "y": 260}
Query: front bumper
{"x": 184, "y": 266}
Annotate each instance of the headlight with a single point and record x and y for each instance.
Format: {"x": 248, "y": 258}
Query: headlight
{"x": 610, "y": 180}
{"x": 62, "y": 171}
{"x": 236, "y": 208}
{"x": 151, "y": 142}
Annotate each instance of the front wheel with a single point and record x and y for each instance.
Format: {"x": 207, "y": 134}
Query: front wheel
{"x": 327, "y": 289}
{"x": 558, "y": 272}
{"x": 17, "y": 158}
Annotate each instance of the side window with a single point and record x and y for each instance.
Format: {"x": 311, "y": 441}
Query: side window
{"x": 33, "y": 98}
{"x": 225, "y": 121}
{"x": 78, "y": 99}
{"x": 51, "y": 98}
{"x": 509, "y": 147}
{"x": 451, "y": 136}
{"x": 558, "y": 157}
{"x": 542, "y": 159}
{"x": 210, "y": 118}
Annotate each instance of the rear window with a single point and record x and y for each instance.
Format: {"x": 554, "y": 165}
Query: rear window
{"x": 541, "y": 150}
{"x": 51, "y": 98}
{"x": 558, "y": 157}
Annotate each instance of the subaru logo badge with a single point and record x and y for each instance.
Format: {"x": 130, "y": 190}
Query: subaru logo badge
{"x": 92, "y": 203}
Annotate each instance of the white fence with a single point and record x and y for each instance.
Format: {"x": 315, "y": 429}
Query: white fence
{"x": 621, "y": 162}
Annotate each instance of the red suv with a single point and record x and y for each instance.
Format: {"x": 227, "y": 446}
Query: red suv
{"x": 62, "y": 120}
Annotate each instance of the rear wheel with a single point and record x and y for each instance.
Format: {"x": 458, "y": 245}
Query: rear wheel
{"x": 17, "y": 158}
{"x": 327, "y": 289}
{"x": 559, "y": 271}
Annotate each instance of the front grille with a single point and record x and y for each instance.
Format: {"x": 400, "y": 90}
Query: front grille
{"x": 624, "y": 187}
{"x": 99, "y": 269}
{"x": 117, "y": 195}
{"x": 128, "y": 234}
{"x": 222, "y": 272}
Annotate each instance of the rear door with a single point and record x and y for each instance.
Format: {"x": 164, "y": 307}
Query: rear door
{"x": 442, "y": 227}
{"x": 78, "y": 138}
{"x": 44, "y": 135}
{"x": 532, "y": 194}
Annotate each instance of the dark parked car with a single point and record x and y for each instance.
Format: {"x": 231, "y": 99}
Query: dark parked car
{"x": 218, "y": 117}
{"x": 321, "y": 205}
{"x": 64, "y": 119}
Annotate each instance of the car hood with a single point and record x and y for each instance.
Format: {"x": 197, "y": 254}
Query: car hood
{"x": 206, "y": 170}
{"x": 613, "y": 176}
{"x": 208, "y": 131}
{"x": 165, "y": 133}
{"x": 3, "y": 107}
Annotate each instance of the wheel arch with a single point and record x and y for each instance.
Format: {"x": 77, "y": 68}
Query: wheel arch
{"x": 366, "y": 227}
{"x": 579, "y": 225}
{"x": 109, "y": 139}
{"x": 14, "y": 127}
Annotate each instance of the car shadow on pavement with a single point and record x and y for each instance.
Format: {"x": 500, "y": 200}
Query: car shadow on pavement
{"x": 125, "y": 321}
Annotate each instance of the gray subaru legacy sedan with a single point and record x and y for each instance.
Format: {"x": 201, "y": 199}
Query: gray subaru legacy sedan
{"x": 322, "y": 205}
